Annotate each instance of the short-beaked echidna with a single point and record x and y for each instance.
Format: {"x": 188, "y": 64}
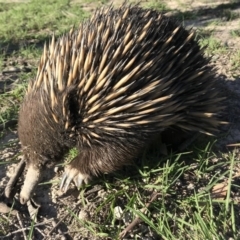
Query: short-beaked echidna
{"x": 109, "y": 87}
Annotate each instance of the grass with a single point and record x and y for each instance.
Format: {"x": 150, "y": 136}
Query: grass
{"x": 158, "y": 5}
{"x": 186, "y": 207}
{"x": 235, "y": 33}
{"x": 229, "y": 15}
{"x": 213, "y": 45}
{"x": 22, "y": 38}
{"x": 37, "y": 20}
{"x": 235, "y": 60}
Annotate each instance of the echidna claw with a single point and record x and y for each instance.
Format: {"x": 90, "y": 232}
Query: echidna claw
{"x": 78, "y": 181}
{"x": 66, "y": 180}
{"x": 72, "y": 174}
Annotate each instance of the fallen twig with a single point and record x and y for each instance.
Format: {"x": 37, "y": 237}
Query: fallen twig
{"x": 27, "y": 228}
{"x": 137, "y": 220}
{"x": 21, "y": 225}
{"x": 55, "y": 226}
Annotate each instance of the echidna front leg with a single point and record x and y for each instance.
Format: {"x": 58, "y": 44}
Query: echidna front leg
{"x": 31, "y": 180}
{"x": 85, "y": 165}
{"x": 99, "y": 160}
{"x": 9, "y": 190}
{"x": 73, "y": 174}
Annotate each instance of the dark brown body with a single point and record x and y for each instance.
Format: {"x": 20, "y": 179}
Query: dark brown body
{"x": 108, "y": 88}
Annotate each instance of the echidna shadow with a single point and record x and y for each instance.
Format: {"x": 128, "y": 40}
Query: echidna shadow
{"x": 108, "y": 88}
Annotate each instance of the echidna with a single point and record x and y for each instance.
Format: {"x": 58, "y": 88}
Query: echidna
{"x": 109, "y": 87}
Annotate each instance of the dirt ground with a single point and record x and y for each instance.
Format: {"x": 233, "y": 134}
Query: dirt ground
{"x": 53, "y": 203}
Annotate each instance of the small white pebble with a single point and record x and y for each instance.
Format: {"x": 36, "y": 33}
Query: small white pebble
{"x": 118, "y": 212}
{"x": 178, "y": 183}
{"x": 83, "y": 215}
{"x": 215, "y": 160}
{"x": 191, "y": 186}
{"x": 102, "y": 193}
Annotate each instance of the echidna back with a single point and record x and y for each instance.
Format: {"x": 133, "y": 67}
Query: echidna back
{"x": 125, "y": 72}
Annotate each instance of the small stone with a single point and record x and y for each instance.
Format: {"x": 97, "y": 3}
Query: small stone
{"x": 56, "y": 169}
{"x": 215, "y": 160}
{"x": 118, "y": 212}
{"x": 83, "y": 215}
{"x": 101, "y": 193}
{"x": 191, "y": 186}
{"x": 11, "y": 69}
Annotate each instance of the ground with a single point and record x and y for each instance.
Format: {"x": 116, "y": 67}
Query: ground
{"x": 193, "y": 194}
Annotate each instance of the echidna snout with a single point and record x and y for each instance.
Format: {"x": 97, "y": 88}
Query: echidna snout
{"x": 108, "y": 88}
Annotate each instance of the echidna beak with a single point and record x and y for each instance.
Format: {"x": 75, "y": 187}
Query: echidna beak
{"x": 31, "y": 180}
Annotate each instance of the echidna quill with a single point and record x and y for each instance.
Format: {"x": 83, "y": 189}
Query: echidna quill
{"x": 108, "y": 88}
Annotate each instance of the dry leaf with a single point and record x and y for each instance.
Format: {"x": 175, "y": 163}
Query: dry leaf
{"x": 220, "y": 190}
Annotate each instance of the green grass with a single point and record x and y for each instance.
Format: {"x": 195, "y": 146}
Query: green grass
{"x": 235, "y": 33}
{"x": 213, "y": 45}
{"x": 185, "y": 207}
{"x": 235, "y": 60}
{"x": 229, "y": 15}
{"x": 37, "y": 19}
{"x": 9, "y": 103}
{"x": 158, "y": 5}
{"x": 31, "y": 25}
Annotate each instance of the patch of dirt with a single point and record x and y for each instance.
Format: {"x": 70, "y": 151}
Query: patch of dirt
{"x": 53, "y": 214}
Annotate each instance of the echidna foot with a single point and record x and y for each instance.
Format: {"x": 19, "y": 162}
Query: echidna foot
{"x": 73, "y": 174}
{"x": 31, "y": 180}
